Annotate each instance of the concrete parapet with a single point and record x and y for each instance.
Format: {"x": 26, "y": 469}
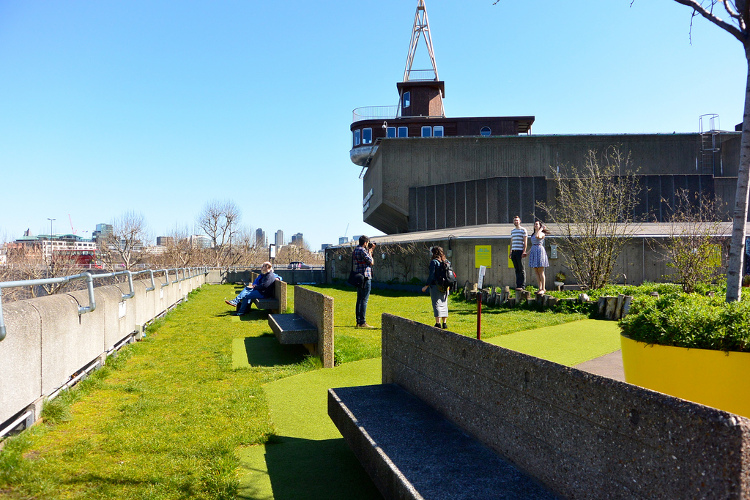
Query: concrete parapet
{"x": 20, "y": 358}
{"x": 48, "y": 341}
{"x": 583, "y": 435}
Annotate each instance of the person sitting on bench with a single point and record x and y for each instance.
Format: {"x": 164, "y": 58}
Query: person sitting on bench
{"x": 261, "y": 288}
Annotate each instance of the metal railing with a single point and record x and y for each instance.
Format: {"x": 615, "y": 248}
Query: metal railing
{"x": 375, "y": 113}
{"x": 90, "y": 285}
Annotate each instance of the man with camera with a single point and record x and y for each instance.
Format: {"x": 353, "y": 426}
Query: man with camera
{"x": 363, "y": 262}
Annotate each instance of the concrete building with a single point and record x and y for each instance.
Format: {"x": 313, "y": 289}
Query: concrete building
{"x": 428, "y": 178}
{"x": 298, "y": 239}
{"x": 260, "y": 238}
{"x": 279, "y": 239}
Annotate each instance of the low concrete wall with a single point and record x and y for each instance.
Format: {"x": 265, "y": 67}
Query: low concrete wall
{"x": 48, "y": 342}
{"x": 318, "y": 310}
{"x": 583, "y": 435}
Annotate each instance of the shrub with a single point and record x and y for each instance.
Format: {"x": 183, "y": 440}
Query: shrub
{"x": 689, "y": 321}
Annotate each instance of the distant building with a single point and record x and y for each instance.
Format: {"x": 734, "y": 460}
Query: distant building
{"x": 343, "y": 240}
{"x": 102, "y": 231}
{"x": 260, "y": 238}
{"x": 324, "y": 246}
{"x": 162, "y": 241}
{"x": 200, "y": 241}
{"x": 74, "y": 247}
{"x": 298, "y": 240}
{"x": 279, "y": 239}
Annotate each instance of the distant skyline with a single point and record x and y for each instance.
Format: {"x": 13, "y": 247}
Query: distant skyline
{"x": 158, "y": 107}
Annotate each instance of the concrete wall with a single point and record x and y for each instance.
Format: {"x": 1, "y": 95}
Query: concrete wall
{"x": 400, "y": 164}
{"x": 318, "y": 310}
{"x": 639, "y": 261}
{"x": 583, "y": 435}
{"x": 48, "y": 342}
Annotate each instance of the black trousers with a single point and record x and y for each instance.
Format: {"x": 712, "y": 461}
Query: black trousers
{"x": 517, "y": 257}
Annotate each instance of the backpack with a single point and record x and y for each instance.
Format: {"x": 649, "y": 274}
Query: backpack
{"x": 444, "y": 276}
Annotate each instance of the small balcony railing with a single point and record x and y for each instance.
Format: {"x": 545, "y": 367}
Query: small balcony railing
{"x": 375, "y": 113}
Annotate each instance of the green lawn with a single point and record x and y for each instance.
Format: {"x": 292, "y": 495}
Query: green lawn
{"x": 187, "y": 412}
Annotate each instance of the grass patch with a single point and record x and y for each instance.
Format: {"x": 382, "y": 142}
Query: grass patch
{"x": 353, "y": 344}
{"x": 166, "y": 417}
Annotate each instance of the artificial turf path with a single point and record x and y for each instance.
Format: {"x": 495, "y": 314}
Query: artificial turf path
{"x": 309, "y": 457}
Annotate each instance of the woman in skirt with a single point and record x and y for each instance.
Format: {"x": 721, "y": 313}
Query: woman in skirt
{"x": 538, "y": 256}
{"x": 439, "y": 296}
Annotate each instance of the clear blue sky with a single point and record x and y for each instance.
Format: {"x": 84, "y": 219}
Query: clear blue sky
{"x": 161, "y": 106}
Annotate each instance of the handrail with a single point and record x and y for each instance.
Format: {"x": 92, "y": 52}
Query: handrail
{"x": 48, "y": 281}
{"x": 90, "y": 286}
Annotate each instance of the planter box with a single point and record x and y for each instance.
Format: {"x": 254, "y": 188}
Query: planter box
{"x": 713, "y": 378}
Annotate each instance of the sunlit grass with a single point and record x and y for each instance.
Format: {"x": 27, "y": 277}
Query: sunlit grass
{"x": 353, "y": 343}
{"x": 165, "y": 417}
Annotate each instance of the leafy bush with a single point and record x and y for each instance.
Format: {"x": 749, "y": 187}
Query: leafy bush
{"x": 689, "y": 321}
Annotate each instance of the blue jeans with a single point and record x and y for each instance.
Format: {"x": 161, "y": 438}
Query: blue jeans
{"x": 363, "y": 294}
{"x": 245, "y": 298}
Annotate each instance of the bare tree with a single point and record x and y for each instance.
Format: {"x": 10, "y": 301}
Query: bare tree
{"x": 594, "y": 211}
{"x": 220, "y": 221}
{"x": 694, "y": 237}
{"x": 123, "y": 249}
{"x": 31, "y": 262}
{"x": 737, "y": 26}
{"x": 178, "y": 251}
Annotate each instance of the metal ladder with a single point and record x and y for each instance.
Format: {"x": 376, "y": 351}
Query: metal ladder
{"x": 710, "y": 143}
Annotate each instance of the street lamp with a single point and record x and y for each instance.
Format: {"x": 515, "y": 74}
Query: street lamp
{"x": 50, "y": 236}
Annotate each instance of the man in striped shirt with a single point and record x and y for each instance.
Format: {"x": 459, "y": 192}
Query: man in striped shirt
{"x": 518, "y": 237}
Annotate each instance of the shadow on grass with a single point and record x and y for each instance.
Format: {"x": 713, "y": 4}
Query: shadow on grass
{"x": 266, "y": 351}
{"x": 309, "y": 469}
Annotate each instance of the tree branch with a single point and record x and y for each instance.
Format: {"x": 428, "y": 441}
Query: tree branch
{"x": 697, "y": 7}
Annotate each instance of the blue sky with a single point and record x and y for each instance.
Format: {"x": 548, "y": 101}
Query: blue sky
{"x": 161, "y": 106}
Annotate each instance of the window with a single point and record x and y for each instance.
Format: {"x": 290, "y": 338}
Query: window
{"x": 390, "y": 132}
{"x": 437, "y": 131}
{"x": 366, "y": 136}
{"x": 356, "y": 137}
{"x": 486, "y": 131}
{"x": 403, "y": 131}
{"x": 407, "y": 99}
{"x": 426, "y": 131}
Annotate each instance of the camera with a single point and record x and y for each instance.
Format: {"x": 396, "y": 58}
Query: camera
{"x": 371, "y": 244}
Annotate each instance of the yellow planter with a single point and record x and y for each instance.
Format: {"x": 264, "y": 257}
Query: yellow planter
{"x": 713, "y": 378}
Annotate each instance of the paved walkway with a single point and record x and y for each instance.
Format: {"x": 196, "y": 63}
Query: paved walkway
{"x": 609, "y": 365}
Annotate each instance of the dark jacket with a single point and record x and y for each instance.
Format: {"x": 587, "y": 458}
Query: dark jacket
{"x": 265, "y": 283}
{"x": 434, "y": 264}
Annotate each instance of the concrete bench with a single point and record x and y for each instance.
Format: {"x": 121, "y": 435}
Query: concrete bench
{"x": 412, "y": 451}
{"x": 292, "y": 329}
{"x": 581, "y": 435}
{"x": 275, "y": 303}
{"x": 311, "y": 324}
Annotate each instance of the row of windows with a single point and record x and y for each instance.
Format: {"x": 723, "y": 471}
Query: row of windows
{"x": 364, "y": 136}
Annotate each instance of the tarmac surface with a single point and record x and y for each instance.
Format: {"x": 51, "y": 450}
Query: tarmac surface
{"x": 609, "y": 365}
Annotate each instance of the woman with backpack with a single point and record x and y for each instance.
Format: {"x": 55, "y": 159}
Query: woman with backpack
{"x": 438, "y": 293}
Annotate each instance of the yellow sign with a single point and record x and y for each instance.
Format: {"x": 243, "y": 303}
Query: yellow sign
{"x": 714, "y": 258}
{"x": 482, "y": 255}
{"x": 510, "y": 262}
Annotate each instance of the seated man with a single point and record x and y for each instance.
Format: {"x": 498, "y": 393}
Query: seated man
{"x": 262, "y": 287}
